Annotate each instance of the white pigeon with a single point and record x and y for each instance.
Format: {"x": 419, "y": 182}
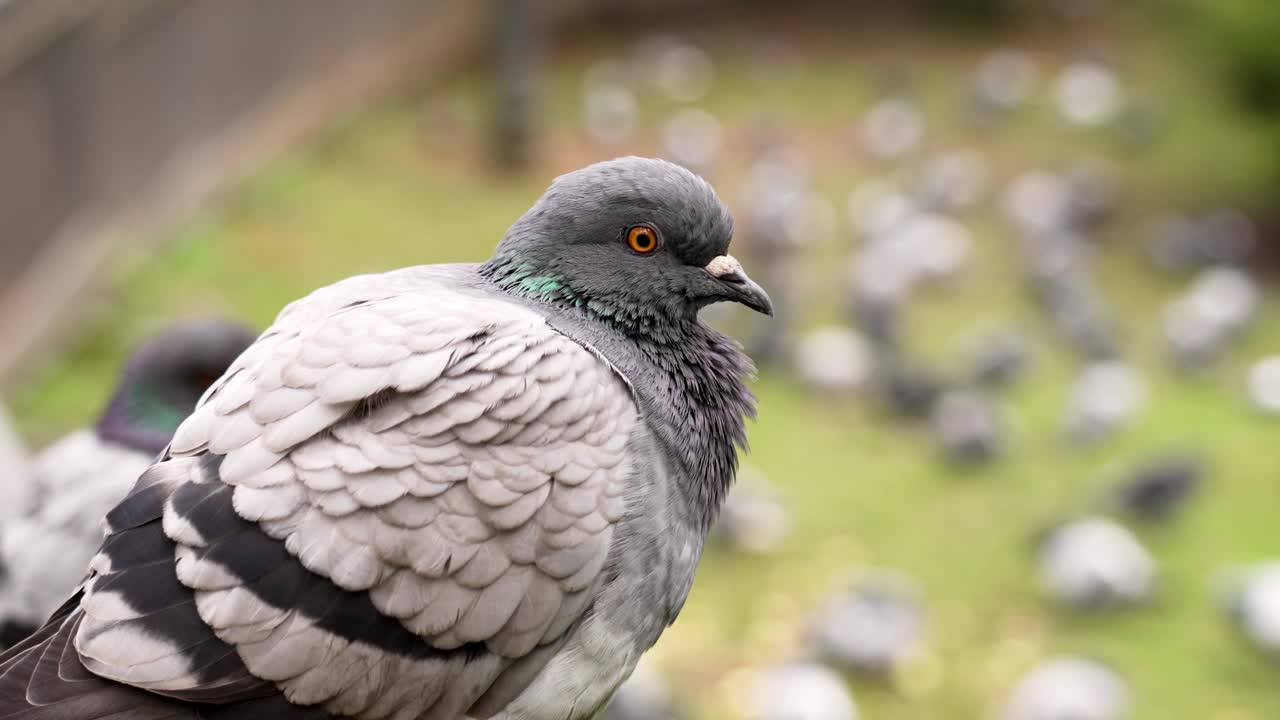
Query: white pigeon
{"x": 1093, "y": 562}
{"x": 1069, "y": 688}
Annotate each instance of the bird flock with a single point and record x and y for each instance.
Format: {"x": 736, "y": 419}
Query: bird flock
{"x": 911, "y": 235}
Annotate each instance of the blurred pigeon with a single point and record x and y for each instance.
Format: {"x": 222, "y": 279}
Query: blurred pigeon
{"x": 872, "y": 627}
{"x": 463, "y": 490}
{"x": 1104, "y": 397}
{"x": 1069, "y": 688}
{"x": 1092, "y": 198}
{"x": 892, "y": 128}
{"x": 1254, "y": 604}
{"x": 966, "y": 426}
{"x": 876, "y": 208}
{"x": 1002, "y": 81}
{"x": 1079, "y": 314}
{"x": 692, "y": 138}
{"x": 644, "y": 696}
{"x": 834, "y": 360}
{"x": 1087, "y": 94}
{"x": 1173, "y": 241}
{"x": 922, "y": 248}
{"x": 999, "y": 361}
{"x": 777, "y": 226}
{"x": 936, "y": 245}
{"x": 1037, "y": 201}
{"x": 1264, "y": 384}
{"x": 76, "y": 481}
{"x": 909, "y": 390}
{"x": 1215, "y": 308}
{"x": 1092, "y": 563}
{"x": 878, "y": 319}
{"x": 683, "y": 72}
{"x": 801, "y": 691}
{"x": 953, "y": 181}
{"x": 609, "y": 114}
{"x": 609, "y": 105}
{"x": 1157, "y": 488}
{"x": 752, "y": 518}
{"x": 1228, "y": 235}
{"x": 1222, "y": 236}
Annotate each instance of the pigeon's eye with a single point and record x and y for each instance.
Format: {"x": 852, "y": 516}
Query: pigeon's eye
{"x": 642, "y": 238}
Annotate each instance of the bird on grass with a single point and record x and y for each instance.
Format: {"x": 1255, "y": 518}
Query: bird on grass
{"x": 471, "y": 491}
{"x": 71, "y": 485}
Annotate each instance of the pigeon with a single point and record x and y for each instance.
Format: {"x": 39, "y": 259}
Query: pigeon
{"x": 966, "y": 426}
{"x": 1092, "y": 563}
{"x": 1225, "y": 236}
{"x": 1173, "y": 241}
{"x": 953, "y": 181}
{"x": 1104, "y": 397}
{"x": 76, "y": 481}
{"x": 1002, "y": 81}
{"x": 872, "y": 627}
{"x": 999, "y": 360}
{"x": 801, "y": 691}
{"x": 893, "y": 127}
{"x": 1080, "y": 315}
{"x": 609, "y": 114}
{"x": 609, "y": 104}
{"x": 834, "y": 360}
{"x": 1159, "y": 487}
{"x": 777, "y": 195}
{"x": 444, "y": 491}
{"x": 908, "y": 390}
{"x": 1087, "y": 94}
{"x": 683, "y": 72}
{"x": 1199, "y": 323}
{"x": 692, "y": 138}
{"x": 1264, "y": 384}
{"x": 1254, "y": 605}
{"x": 1037, "y": 201}
{"x": 1069, "y": 687}
{"x": 1093, "y": 196}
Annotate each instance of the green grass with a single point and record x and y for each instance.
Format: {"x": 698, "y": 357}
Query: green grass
{"x": 381, "y": 191}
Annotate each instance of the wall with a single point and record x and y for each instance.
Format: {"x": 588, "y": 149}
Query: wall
{"x": 119, "y": 117}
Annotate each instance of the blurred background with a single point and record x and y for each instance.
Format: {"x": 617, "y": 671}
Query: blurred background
{"x": 1017, "y": 448}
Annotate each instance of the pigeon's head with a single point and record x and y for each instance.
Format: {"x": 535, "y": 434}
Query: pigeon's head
{"x": 638, "y": 243}
{"x": 164, "y": 379}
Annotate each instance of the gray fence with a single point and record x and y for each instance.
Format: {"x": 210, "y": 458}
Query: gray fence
{"x": 117, "y": 117}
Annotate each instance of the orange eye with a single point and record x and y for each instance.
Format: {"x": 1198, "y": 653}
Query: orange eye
{"x": 643, "y": 239}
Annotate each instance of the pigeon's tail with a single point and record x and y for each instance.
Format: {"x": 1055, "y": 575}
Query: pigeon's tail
{"x": 42, "y": 678}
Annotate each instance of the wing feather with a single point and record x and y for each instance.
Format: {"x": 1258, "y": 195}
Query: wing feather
{"x": 390, "y": 500}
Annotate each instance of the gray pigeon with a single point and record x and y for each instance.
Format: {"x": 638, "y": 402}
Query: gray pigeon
{"x": 70, "y": 486}
{"x": 448, "y": 491}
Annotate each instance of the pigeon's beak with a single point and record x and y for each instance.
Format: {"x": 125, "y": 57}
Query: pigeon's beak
{"x": 738, "y": 286}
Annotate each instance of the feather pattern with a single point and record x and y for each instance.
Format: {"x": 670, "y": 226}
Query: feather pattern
{"x": 405, "y": 521}
{"x": 471, "y": 492}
